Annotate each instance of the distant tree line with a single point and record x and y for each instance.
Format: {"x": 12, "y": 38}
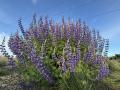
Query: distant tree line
{"x": 116, "y": 56}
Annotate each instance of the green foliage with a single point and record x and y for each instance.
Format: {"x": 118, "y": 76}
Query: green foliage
{"x": 116, "y": 56}
{"x": 29, "y": 72}
{"x": 3, "y": 70}
{"x": 2, "y": 63}
{"x": 82, "y": 79}
{"x": 114, "y": 76}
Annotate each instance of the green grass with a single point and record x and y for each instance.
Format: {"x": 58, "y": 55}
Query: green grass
{"x": 3, "y": 70}
{"x": 113, "y": 80}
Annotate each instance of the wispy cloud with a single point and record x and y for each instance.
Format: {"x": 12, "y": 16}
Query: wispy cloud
{"x": 34, "y": 1}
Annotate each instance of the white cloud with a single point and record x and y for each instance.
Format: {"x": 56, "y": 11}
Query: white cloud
{"x": 2, "y": 35}
{"x": 34, "y": 1}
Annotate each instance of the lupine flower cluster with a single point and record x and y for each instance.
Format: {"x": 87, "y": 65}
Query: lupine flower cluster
{"x": 74, "y": 41}
{"x": 15, "y": 44}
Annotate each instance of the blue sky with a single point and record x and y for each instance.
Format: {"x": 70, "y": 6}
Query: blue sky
{"x": 103, "y": 15}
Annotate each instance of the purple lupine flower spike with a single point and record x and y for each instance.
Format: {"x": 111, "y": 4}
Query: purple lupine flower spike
{"x": 63, "y": 64}
{"x": 101, "y": 46}
{"x": 95, "y": 39}
{"x": 54, "y": 57}
{"x": 54, "y": 39}
{"x": 16, "y": 45}
{"x": 103, "y": 72}
{"x": 40, "y": 67}
{"x": 21, "y": 26}
{"x": 88, "y": 56}
{"x": 11, "y": 62}
{"x": 67, "y": 49}
{"x": 106, "y": 48}
{"x": 42, "y": 52}
{"x": 78, "y": 51}
{"x": 46, "y": 27}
